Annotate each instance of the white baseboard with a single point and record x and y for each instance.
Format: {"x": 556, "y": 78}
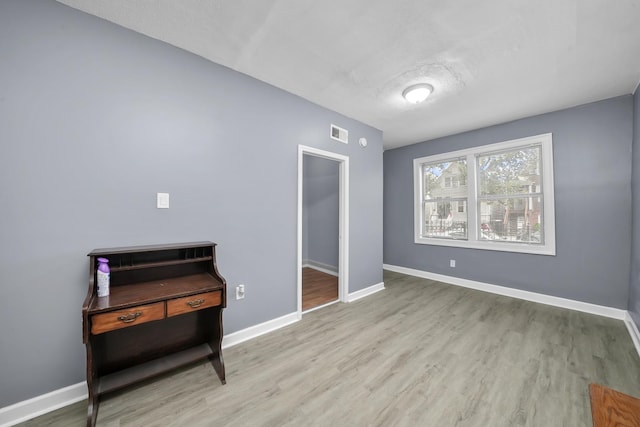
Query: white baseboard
{"x": 633, "y": 331}
{"x": 257, "y": 330}
{"x": 365, "y": 292}
{"x": 325, "y": 268}
{"x": 39, "y": 405}
{"x": 585, "y": 307}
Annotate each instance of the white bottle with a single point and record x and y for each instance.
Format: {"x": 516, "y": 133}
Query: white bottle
{"x": 104, "y": 275}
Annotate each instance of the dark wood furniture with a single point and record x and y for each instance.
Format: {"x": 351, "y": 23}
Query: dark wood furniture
{"x": 164, "y": 311}
{"x": 610, "y": 408}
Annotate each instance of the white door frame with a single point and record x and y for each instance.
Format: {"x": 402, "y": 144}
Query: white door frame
{"x": 343, "y": 242}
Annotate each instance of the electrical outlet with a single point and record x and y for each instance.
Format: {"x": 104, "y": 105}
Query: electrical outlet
{"x": 452, "y": 263}
{"x": 240, "y": 292}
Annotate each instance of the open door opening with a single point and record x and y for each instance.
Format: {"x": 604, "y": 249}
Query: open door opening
{"x": 320, "y": 231}
{"x": 322, "y": 224}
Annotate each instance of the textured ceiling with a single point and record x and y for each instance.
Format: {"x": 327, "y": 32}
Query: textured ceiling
{"x": 489, "y": 61}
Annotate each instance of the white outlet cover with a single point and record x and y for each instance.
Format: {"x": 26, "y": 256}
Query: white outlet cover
{"x": 163, "y": 201}
{"x": 240, "y": 292}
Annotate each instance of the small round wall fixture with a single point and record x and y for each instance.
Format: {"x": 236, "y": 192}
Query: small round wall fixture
{"x": 363, "y": 142}
{"x": 415, "y": 94}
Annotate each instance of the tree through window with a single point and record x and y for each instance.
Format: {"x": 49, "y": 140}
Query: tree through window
{"x": 509, "y": 204}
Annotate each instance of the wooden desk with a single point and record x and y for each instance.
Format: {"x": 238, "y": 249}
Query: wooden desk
{"x": 164, "y": 311}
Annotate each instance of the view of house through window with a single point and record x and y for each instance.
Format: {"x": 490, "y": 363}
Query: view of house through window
{"x": 498, "y": 196}
{"x": 445, "y": 197}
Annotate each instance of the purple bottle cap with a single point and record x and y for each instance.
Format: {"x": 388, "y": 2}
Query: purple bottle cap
{"x": 103, "y": 265}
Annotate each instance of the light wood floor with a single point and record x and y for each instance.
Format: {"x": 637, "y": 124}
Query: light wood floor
{"x": 419, "y": 353}
{"x": 318, "y": 288}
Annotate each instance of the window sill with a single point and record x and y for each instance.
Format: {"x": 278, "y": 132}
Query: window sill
{"x": 523, "y": 248}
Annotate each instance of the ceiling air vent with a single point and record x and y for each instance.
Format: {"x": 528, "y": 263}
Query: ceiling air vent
{"x": 339, "y": 134}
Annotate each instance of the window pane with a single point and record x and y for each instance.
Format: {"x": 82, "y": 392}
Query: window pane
{"x": 512, "y": 220}
{"x": 442, "y": 218}
{"x": 509, "y": 172}
{"x": 445, "y": 199}
{"x": 445, "y": 179}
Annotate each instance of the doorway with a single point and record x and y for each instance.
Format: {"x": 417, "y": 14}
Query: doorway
{"x": 322, "y": 267}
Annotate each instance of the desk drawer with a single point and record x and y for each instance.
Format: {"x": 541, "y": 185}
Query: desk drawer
{"x": 193, "y": 303}
{"x": 106, "y": 322}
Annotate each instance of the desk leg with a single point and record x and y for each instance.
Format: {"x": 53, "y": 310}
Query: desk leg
{"x": 92, "y": 385}
{"x": 92, "y": 410}
{"x": 216, "y": 345}
{"x": 218, "y": 365}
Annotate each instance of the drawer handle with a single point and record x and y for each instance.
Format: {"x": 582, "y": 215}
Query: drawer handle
{"x": 130, "y": 317}
{"x": 195, "y": 303}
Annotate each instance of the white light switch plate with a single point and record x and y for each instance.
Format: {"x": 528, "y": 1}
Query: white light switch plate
{"x": 163, "y": 201}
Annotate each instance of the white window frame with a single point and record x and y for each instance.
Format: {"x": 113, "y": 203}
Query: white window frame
{"x": 547, "y": 248}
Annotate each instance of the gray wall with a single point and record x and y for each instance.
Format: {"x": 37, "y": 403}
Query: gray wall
{"x": 592, "y": 167}
{"x": 94, "y": 120}
{"x": 634, "y": 287}
{"x": 321, "y": 203}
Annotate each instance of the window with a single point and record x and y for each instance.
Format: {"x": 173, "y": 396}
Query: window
{"x": 442, "y": 199}
{"x": 496, "y": 197}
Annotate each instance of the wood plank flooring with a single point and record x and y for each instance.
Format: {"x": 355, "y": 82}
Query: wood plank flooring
{"x": 318, "y": 288}
{"x": 419, "y": 353}
{"x": 610, "y": 408}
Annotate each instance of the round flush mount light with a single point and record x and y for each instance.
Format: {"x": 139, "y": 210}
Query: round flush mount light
{"x": 417, "y": 93}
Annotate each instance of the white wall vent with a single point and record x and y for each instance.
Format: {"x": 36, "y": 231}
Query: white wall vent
{"x": 339, "y": 134}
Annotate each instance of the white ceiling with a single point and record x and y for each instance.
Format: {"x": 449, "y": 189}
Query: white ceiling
{"x": 489, "y": 61}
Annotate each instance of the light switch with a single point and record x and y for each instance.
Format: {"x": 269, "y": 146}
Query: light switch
{"x": 163, "y": 200}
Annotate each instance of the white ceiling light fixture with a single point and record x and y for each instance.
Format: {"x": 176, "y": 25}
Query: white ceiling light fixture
{"x": 417, "y": 93}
